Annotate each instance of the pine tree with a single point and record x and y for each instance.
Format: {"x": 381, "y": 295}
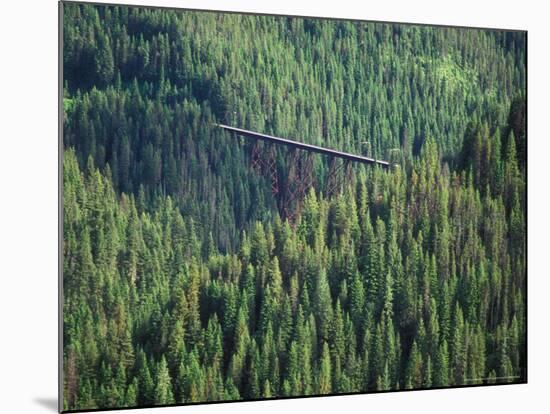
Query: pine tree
{"x": 163, "y": 387}
{"x": 323, "y": 305}
{"x": 325, "y": 385}
{"x": 441, "y": 366}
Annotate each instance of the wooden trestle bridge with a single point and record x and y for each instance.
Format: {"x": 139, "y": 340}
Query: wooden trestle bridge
{"x": 300, "y": 177}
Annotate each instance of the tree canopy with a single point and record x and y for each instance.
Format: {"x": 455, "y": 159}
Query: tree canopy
{"x": 182, "y": 281}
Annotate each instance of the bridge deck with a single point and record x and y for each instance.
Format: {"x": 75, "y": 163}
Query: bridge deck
{"x": 306, "y": 147}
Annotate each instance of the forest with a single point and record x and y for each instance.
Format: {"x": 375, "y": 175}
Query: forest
{"x": 183, "y": 282}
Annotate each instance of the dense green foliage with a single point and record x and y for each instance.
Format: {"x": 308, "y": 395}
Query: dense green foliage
{"x": 181, "y": 281}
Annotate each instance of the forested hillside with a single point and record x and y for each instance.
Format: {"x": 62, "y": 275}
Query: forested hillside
{"x": 182, "y": 283}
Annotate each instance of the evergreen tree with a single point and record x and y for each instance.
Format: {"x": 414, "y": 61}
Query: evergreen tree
{"x": 163, "y": 387}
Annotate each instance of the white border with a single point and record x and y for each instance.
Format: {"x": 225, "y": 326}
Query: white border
{"x": 28, "y": 211}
